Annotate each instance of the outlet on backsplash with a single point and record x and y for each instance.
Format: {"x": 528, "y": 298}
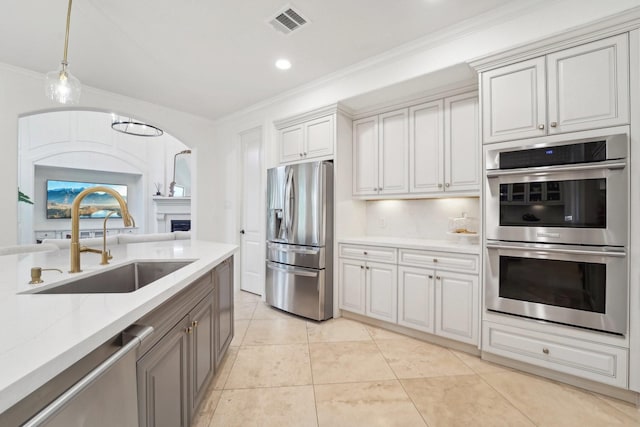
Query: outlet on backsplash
{"x": 422, "y": 219}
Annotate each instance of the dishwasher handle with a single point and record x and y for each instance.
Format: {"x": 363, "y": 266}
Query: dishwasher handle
{"x": 135, "y": 339}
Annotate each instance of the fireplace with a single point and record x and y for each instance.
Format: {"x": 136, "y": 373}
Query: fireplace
{"x": 170, "y": 209}
{"x": 180, "y": 225}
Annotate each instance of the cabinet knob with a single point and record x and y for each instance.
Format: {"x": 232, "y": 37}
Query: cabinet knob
{"x": 541, "y": 126}
{"x": 194, "y": 323}
{"x": 365, "y": 252}
{"x": 545, "y": 350}
{"x": 367, "y": 267}
{"x": 435, "y": 260}
{"x": 439, "y": 185}
{"x": 300, "y": 154}
{"x": 437, "y": 277}
{"x": 189, "y": 330}
{"x": 362, "y": 267}
{"x": 447, "y": 185}
{"x": 305, "y": 154}
{"x": 431, "y": 276}
{"x": 553, "y": 124}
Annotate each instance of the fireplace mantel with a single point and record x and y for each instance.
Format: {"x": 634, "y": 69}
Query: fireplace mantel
{"x": 168, "y": 208}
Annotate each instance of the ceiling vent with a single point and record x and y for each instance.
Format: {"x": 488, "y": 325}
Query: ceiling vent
{"x": 288, "y": 20}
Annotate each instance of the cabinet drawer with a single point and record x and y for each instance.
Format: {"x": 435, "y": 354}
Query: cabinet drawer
{"x": 368, "y": 253}
{"x": 597, "y": 362}
{"x": 439, "y": 260}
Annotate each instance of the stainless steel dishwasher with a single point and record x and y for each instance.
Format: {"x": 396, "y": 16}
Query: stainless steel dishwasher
{"x": 104, "y": 396}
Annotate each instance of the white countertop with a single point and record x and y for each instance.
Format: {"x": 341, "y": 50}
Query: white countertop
{"x": 42, "y": 335}
{"x": 408, "y": 243}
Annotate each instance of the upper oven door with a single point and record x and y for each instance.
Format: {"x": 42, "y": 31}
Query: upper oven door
{"x": 577, "y": 204}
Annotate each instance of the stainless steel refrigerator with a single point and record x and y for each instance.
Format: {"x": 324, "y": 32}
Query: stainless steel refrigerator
{"x": 299, "y": 275}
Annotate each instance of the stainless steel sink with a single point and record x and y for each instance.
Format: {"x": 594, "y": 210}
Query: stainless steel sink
{"x": 123, "y": 279}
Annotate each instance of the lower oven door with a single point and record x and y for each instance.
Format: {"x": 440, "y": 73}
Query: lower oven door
{"x": 567, "y": 284}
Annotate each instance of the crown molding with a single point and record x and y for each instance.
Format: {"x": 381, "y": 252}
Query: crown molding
{"x": 311, "y": 115}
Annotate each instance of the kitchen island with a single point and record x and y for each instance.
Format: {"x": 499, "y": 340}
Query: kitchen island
{"x": 44, "y": 334}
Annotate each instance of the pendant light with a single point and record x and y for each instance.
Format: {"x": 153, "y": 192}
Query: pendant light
{"x": 61, "y": 86}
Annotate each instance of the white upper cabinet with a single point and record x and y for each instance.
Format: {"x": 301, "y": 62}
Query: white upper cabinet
{"x": 462, "y": 143}
{"x": 588, "y": 86}
{"x": 393, "y": 160}
{"x": 581, "y": 88}
{"x": 381, "y": 154}
{"x": 426, "y": 147}
{"x": 307, "y": 140}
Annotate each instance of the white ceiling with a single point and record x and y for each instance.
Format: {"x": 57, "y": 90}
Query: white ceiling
{"x": 213, "y": 57}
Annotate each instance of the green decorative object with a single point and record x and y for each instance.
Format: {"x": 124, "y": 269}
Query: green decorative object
{"x": 23, "y": 197}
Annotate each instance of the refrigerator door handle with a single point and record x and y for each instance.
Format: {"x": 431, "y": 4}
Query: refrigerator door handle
{"x": 287, "y": 204}
{"x": 293, "y": 249}
{"x": 292, "y": 270}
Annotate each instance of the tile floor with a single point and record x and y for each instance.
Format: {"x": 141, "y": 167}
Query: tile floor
{"x": 283, "y": 371}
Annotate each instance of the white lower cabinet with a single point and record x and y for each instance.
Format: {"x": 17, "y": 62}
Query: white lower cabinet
{"x": 432, "y": 300}
{"x": 587, "y": 359}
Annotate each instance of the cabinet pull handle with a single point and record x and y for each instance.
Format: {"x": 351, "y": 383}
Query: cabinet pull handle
{"x": 545, "y": 350}
{"x": 541, "y": 126}
{"x": 189, "y": 330}
{"x": 194, "y": 323}
{"x": 553, "y": 124}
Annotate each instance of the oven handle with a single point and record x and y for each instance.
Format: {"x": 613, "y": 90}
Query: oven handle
{"x": 609, "y": 164}
{"x": 604, "y": 251}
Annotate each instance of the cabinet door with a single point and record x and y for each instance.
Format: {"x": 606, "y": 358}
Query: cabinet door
{"x": 382, "y": 291}
{"x": 162, "y": 380}
{"x": 589, "y": 86}
{"x": 352, "y": 285}
{"x": 393, "y": 152}
{"x": 291, "y": 144}
{"x": 416, "y": 298}
{"x": 223, "y": 283}
{"x": 202, "y": 348}
{"x": 426, "y": 147}
{"x": 457, "y": 306}
{"x": 513, "y": 101}
{"x": 462, "y": 145}
{"x": 365, "y": 156}
{"x": 319, "y": 137}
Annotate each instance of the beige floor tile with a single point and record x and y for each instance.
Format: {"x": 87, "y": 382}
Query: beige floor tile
{"x": 337, "y": 330}
{"x": 242, "y": 296}
{"x": 266, "y": 312}
{"x": 244, "y": 310}
{"x": 629, "y": 409}
{"x": 204, "y": 415}
{"x": 382, "y": 403}
{"x": 418, "y": 359}
{"x": 239, "y": 330}
{"x": 280, "y": 331}
{"x": 462, "y": 400}
{"x": 225, "y": 368}
{"x": 277, "y": 407}
{"x": 383, "y": 334}
{"x": 270, "y": 366}
{"x": 552, "y": 404}
{"x": 340, "y": 362}
{"x": 478, "y": 365}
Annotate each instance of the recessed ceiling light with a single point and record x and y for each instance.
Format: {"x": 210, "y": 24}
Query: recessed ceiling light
{"x": 283, "y": 64}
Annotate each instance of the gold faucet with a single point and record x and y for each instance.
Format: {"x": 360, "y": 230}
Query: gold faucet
{"x": 75, "y": 225}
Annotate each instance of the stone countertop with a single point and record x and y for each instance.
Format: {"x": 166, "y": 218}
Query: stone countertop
{"x": 44, "y": 334}
{"x": 409, "y": 243}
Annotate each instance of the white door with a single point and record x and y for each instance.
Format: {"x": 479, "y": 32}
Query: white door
{"x": 393, "y": 160}
{"x": 382, "y": 291}
{"x": 589, "y": 86}
{"x": 365, "y": 156}
{"x": 251, "y": 241}
{"x": 457, "y": 306}
{"x": 426, "y": 147}
{"x": 514, "y": 101}
{"x": 416, "y": 298}
{"x": 462, "y": 145}
{"x": 319, "y": 135}
{"x": 352, "y": 286}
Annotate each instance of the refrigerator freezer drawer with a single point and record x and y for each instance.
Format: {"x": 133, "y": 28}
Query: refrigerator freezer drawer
{"x": 303, "y": 256}
{"x": 299, "y": 290}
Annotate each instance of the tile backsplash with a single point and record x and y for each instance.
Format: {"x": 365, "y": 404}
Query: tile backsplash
{"x": 421, "y": 219}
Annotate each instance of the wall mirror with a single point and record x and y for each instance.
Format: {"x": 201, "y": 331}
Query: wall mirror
{"x": 181, "y": 185}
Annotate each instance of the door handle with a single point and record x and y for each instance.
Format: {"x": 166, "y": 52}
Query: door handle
{"x": 241, "y": 231}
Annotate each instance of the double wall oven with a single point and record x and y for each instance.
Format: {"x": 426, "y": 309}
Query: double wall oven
{"x": 557, "y": 215}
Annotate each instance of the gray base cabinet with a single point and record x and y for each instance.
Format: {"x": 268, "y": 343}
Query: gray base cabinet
{"x": 175, "y": 371}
